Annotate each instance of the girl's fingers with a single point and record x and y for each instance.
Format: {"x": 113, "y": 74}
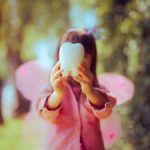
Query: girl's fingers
{"x": 56, "y": 67}
{"x": 76, "y": 79}
{"x": 60, "y": 80}
{"x": 57, "y": 77}
{"x": 83, "y": 75}
{"x": 79, "y": 79}
{"x": 82, "y": 68}
{"x": 57, "y": 74}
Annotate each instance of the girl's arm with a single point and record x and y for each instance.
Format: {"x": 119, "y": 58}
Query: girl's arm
{"x": 54, "y": 100}
{"x": 85, "y": 78}
{"x": 49, "y": 102}
{"x": 95, "y": 97}
{"x": 100, "y": 100}
{"x": 42, "y": 109}
{"x": 106, "y": 109}
{"x": 58, "y": 83}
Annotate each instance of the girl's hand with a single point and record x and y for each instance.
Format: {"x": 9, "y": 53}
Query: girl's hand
{"x": 57, "y": 81}
{"x": 85, "y": 78}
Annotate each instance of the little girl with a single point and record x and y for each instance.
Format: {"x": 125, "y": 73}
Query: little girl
{"x": 76, "y": 103}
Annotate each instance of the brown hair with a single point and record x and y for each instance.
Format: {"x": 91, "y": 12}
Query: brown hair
{"x": 87, "y": 40}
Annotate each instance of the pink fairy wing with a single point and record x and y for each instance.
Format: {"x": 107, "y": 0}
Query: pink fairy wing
{"x": 118, "y": 85}
{"x": 34, "y": 130}
{"x": 31, "y": 78}
{"x": 111, "y": 129}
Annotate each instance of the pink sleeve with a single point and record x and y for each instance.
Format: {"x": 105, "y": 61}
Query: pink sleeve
{"x": 41, "y": 108}
{"x": 104, "y": 112}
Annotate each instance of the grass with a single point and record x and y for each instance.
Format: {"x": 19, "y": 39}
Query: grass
{"x": 11, "y": 136}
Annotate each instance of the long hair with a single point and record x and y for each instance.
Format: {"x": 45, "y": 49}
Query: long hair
{"x": 88, "y": 42}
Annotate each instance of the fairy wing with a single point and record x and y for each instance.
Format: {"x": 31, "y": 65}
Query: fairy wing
{"x": 122, "y": 89}
{"x": 118, "y": 85}
{"x": 111, "y": 129}
{"x": 31, "y": 78}
{"x": 34, "y": 130}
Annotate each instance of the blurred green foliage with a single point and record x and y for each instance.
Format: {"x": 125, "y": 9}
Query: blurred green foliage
{"x": 126, "y": 50}
{"x": 11, "y": 136}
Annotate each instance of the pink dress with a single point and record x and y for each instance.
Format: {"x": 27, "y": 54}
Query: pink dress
{"x": 74, "y": 125}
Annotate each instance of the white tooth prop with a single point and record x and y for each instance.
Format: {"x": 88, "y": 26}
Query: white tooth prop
{"x": 70, "y": 55}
